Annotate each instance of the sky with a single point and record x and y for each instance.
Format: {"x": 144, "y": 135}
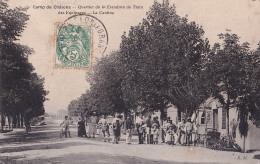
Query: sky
{"x": 240, "y": 16}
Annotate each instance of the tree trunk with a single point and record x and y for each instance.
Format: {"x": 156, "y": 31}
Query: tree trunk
{"x": 244, "y": 144}
{"x": 125, "y": 117}
{"x": 9, "y": 120}
{"x": 18, "y": 121}
{"x": 227, "y": 120}
{"x": 125, "y": 114}
{"x": 86, "y": 116}
{"x": 227, "y": 109}
{"x": 15, "y": 121}
{"x": 179, "y": 114}
{"x": 162, "y": 116}
{"x": 1, "y": 89}
{"x": 2, "y": 120}
{"x": 22, "y": 118}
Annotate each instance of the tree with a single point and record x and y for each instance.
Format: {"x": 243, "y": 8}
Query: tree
{"x": 105, "y": 81}
{"x": 22, "y": 91}
{"x": 80, "y": 106}
{"x": 249, "y": 97}
{"x": 35, "y": 96}
{"x": 161, "y": 57}
{"x": 228, "y": 71}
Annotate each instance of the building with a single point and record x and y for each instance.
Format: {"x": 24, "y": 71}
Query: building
{"x": 211, "y": 116}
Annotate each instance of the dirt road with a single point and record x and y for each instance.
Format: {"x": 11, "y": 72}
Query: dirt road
{"x": 43, "y": 145}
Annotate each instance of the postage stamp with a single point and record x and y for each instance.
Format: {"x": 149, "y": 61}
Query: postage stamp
{"x": 78, "y": 39}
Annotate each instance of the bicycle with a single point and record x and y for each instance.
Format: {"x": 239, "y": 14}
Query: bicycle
{"x": 62, "y": 132}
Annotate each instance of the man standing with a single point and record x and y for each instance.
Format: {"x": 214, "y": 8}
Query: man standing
{"x": 116, "y": 131}
{"x": 164, "y": 128}
{"x": 148, "y": 125}
{"x": 104, "y": 127}
{"x": 119, "y": 118}
{"x": 65, "y": 124}
{"x": 188, "y": 130}
{"x": 181, "y": 131}
{"x": 129, "y": 126}
{"x": 92, "y": 125}
{"x": 139, "y": 123}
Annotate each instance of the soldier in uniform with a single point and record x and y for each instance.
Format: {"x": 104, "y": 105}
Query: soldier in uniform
{"x": 93, "y": 125}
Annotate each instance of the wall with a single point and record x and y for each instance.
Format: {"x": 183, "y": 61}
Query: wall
{"x": 252, "y": 139}
{"x": 173, "y": 114}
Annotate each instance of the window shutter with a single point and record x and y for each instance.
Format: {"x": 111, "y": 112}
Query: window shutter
{"x": 224, "y": 118}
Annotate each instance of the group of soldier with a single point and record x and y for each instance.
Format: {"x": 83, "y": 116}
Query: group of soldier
{"x": 149, "y": 130}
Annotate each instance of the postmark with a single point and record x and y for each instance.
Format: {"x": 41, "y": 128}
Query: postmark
{"x": 78, "y": 40}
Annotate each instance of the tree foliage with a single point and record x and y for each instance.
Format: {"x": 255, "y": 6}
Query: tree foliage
{"x": 165, "y": 60}
{"x": 22, "y": 90}
{"x": 162, "y": 59}
{"x": 235, "y": 79}
{"x": 106, "y": 85}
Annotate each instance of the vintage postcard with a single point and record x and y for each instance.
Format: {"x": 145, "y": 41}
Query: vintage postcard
{"x": 129, "y": 81}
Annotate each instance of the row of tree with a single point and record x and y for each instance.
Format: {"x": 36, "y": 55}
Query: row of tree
{"x": 164, "y": 61}
{"x": 22, "y": 92}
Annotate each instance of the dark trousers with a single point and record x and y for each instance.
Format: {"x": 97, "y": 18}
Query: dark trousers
{"x": 163, "y": 135}
{"x": 140, "y": 136}
{"x": 180, "y": 133}
{"x": 188, "y": 137}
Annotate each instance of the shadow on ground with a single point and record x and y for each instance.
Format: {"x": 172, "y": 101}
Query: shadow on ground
{"x": 90, "y": 158}
{"x": 39, "y": 147}
{"x": 38, "y": 134}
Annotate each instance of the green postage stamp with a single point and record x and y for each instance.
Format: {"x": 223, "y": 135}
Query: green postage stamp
{"x": 73, "y": 46}
{"x": 78, "y": 40}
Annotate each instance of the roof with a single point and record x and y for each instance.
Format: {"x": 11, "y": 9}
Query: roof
{"x": 211, "y": 103}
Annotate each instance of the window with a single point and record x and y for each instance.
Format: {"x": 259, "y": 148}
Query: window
{"x": 202, "y": 117}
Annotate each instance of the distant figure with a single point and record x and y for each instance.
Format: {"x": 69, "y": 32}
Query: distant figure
{"x": 82, "y": 127}
{"x": 181, "y": 131}
{"x": 104, "y": 128}
{"x": 189, "y": 127}
{"x": 119, "y": 118}
{"x": 116, "y": 131}
{"x": 129, "y": 126}
{"x": 139, "y": 123}
{"x": 65, "y": 124}
{"x": 93, "y": 125}
{"x": 155, "y": 132}
{"x": 27, "y": 124}
{"x": 155, "y": 121}
{"x": 170, "y": 135}
{"x": 163, "y": 129}
{"x": 148, "y": 125}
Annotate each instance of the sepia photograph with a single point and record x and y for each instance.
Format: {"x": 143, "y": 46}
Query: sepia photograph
{"x": 129, "y": 82}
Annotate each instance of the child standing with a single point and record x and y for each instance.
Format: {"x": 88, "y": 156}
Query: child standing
{"x": 170, "y": 135}
{"x": 155, "y": 132}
